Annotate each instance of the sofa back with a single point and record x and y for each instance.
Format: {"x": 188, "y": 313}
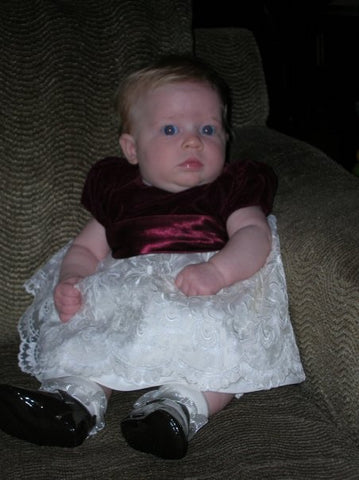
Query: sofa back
{"x": 234, "y": 54}
{"x": 61, "y": 64}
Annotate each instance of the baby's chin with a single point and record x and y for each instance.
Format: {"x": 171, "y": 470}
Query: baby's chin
{"x": 179, "y": 186}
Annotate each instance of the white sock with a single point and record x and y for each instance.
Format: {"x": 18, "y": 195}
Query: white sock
{"x": 191, "y": 398}
{"x": 182, "y": 393}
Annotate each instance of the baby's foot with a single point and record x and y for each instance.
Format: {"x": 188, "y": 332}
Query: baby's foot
{"x": 44, "y": 418}
{"x": 159, "y": 427}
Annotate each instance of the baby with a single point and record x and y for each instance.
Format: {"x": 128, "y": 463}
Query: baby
{"x": 175, "y": 282}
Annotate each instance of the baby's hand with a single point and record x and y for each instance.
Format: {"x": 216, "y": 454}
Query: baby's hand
{"x": 199, "y": 279}
{"x": 68, "y": 299}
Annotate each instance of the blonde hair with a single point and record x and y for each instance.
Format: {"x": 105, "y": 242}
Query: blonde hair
{"x": 171, "y": 69}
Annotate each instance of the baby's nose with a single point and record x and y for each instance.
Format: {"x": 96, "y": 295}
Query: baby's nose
{"x": 192, "y": 140}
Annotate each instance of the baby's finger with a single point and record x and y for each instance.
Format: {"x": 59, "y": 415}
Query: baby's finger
{"x": 68, "y": 290}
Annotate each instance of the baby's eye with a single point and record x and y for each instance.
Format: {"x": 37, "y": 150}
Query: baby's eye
{"x": 170, "y": 129}
{"x": 208, "y": 130}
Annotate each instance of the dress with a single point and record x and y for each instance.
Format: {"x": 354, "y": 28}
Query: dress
{"x": 136, "y": 329}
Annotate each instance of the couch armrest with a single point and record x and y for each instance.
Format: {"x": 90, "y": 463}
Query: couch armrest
{"x": 317, "y": 207}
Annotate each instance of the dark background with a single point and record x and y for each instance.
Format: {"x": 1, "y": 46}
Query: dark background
{"x": 310, "y": 53}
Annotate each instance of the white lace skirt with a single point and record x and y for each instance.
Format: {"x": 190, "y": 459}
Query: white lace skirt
{"x": 137, "y": 330}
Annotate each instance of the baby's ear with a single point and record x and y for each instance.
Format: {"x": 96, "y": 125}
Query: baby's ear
{"x": 128, "y": 146}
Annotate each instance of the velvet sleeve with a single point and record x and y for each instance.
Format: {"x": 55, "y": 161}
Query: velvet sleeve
{"x": 103, "y": 181}
{"x": 247, "y": 184}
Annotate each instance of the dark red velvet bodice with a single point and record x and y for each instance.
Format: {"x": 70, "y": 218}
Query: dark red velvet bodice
{"x": 141, "y": 219}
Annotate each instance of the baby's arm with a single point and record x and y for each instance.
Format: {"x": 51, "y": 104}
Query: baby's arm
{"x": 81, "y": 260}
{"x": 245, "y": 253}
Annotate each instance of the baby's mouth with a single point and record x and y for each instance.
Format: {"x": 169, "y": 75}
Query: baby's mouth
{"x": 191, "y": 164}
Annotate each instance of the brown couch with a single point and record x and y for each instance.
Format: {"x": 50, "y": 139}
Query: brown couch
{"x": 61, "y": 61}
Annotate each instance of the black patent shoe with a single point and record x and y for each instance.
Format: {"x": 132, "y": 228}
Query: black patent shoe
{"x": 44, "y": 418}
{"x": 159, "y": 427}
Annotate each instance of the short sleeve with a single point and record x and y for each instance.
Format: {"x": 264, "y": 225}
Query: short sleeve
{"x": 248, "y": 184}
{"x": 102, "y": 183}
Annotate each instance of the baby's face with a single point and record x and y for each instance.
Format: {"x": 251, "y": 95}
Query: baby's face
{"x": 178, "y": 139}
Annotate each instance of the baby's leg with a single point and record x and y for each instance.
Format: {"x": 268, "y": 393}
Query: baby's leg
{"x": 216, "y": 401}
{"x": 107, "y": 391}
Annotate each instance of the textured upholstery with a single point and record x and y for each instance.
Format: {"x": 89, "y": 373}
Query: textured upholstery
{"x": 317, "y": 208}
{"x": 239, "y": 63}
{"x": 61, "y": 62}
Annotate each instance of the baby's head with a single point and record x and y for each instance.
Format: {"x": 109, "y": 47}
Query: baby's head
{"x": 168, "y": 70}
{"x": 174, "y": 123}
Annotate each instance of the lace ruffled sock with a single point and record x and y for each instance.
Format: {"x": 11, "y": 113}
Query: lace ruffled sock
{"x": 164, "y": 420}
{"x": 193, "y": 400}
